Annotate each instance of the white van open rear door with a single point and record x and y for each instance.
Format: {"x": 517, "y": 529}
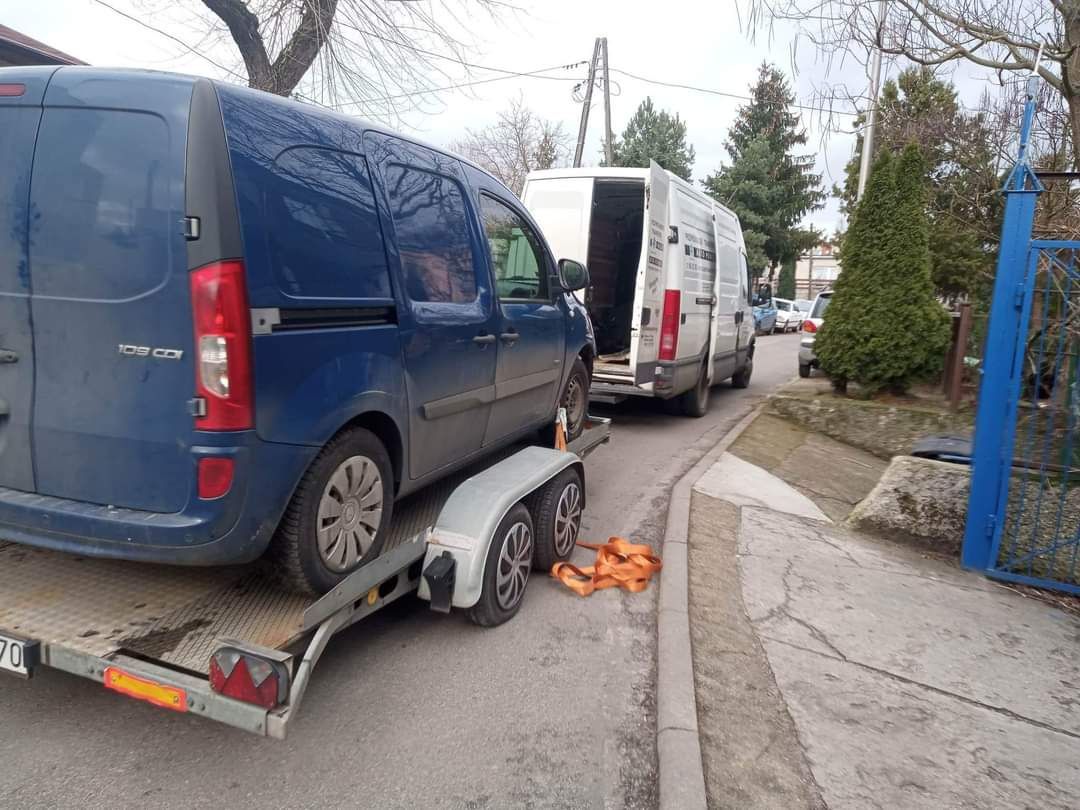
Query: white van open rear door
{"x": 649, "y": 291}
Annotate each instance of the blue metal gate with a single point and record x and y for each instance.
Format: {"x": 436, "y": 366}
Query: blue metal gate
{"x": 1024, "y": 513}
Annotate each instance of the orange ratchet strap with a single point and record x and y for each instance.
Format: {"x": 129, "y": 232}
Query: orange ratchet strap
{"x": 618, "y": 565}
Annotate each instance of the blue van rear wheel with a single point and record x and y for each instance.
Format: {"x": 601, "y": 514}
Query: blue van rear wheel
{"x": 338, "y": 516}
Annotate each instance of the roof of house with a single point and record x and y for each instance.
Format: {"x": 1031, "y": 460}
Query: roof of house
{"x": 19, "y": 49}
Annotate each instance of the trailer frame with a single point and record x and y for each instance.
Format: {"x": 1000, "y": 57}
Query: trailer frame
{"x": 463, "y": 532}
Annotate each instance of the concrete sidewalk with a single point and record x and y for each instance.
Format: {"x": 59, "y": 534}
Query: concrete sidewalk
{"x": 832, "y": 669}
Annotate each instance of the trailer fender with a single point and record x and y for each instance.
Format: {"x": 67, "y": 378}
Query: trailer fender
{"x": 468, "y": 521}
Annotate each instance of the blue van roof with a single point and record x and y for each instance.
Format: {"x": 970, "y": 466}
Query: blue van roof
{"x": 71, "y": 76}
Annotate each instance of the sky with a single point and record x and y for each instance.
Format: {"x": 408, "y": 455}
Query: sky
{"x": 690, "y": 42}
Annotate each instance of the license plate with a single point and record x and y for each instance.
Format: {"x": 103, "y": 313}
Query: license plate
{"x": 18, "y": 655}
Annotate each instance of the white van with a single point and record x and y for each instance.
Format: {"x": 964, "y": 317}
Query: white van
{"x": 669, "y": 295}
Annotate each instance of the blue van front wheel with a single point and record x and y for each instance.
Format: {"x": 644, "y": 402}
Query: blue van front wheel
{"x": 337, "y": 518}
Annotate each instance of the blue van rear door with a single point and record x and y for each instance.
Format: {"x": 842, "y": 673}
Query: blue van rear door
{"x": 111, "y": 302}
{"x": 20, "y": 114}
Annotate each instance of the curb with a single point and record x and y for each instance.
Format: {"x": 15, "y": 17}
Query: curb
{"x": 682, "y": 777}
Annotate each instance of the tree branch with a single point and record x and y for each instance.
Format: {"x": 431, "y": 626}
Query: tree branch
{"x": 244, "y": 27}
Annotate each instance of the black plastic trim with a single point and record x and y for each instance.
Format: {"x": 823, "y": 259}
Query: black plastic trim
{"x": 209, "y": 191}
{"x": 333, "y": 318}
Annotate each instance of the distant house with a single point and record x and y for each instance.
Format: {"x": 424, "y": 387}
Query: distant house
{"x": 19, "y": 49}
{"x": 816, "y": 270}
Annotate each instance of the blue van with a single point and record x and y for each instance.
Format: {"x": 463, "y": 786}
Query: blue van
{"x": 230, "y": 323}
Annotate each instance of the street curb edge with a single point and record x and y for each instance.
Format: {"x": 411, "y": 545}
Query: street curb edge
{"x": 681, "y": 771}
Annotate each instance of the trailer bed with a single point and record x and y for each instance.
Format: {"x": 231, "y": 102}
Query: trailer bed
{"x": 176, "y": 617}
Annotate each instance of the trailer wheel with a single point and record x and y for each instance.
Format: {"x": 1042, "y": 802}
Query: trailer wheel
{"x": 557, "y": 510}
{"x": 336, "y": 519}
{"x": 506, "y": 570}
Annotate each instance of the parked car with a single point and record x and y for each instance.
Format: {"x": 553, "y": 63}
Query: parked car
{"x": 788, "y": 316}
{"x": 256, "y": 324}
{"x": 807, "y": 359}
{"x": 669, "y": 289}
{"x": 765, "y": 314}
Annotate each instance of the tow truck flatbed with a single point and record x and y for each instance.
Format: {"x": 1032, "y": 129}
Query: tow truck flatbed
{"x": 149, "y": 631}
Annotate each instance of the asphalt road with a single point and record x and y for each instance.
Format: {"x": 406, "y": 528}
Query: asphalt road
{"x": 411, "y": 709}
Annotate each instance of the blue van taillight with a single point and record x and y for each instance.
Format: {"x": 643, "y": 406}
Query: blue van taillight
{"x": 222, "y": 346}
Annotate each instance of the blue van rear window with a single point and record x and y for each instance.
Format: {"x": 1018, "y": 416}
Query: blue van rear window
{"x": 324, "y": 234}
{"x": 108, "y": 206}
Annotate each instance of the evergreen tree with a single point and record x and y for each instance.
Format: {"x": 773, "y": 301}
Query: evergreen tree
{"x": 963, "y": 205}
{"x": 886, "y": 256}
{"x": 786, "y": 285}
{"x": 770, "y": 188}
{"x": 653, "y": 134}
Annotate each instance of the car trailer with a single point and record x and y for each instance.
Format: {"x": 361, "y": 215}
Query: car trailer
{"x": 228, "y": 644}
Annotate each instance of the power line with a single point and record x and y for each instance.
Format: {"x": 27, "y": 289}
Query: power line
{"x": 514, "y": 75}
{"x": 167, "y": 35}
{"x": 724, "y": 93}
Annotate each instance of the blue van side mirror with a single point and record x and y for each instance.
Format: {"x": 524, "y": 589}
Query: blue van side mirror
{"x": 572, "y": 275}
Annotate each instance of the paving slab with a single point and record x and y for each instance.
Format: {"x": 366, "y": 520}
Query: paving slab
{"x": 911, "y": 682}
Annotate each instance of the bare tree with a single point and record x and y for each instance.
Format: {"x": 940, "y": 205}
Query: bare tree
{"x": 516, "y": 144}
{"x": 376, "y": 56}
{"x": 1003, "y": 36}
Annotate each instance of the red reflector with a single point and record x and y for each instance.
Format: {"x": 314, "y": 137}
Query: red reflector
{"x": 247, "y": 678}
{"x": 809, "y": 326}
{"x": 12, "y": 90}
{"x": 223, "y": 374}
{"x": 215, "y": 477}
{"x": 669, "y": 325}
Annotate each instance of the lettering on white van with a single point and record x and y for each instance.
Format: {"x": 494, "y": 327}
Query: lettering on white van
{"x": 131, "y": 350}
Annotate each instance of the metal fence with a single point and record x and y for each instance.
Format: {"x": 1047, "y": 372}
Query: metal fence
{"x": 1024, "y": 512}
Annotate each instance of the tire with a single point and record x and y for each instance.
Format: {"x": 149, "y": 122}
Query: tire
{"x": 741, "y": 378}
{"x": 499, "y": 601}
{"x": 804, "y": 370}
{"x": 556, "y": 511}
{"x": 695, "y": 402}
{"x": 576, "y": 388}
{"x": 307, "y": 563}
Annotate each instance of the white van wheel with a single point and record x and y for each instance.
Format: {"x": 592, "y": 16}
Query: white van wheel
{"x": 695, "y": 402}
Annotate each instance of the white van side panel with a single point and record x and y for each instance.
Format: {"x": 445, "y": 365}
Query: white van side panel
{"x": 562, "y": 207}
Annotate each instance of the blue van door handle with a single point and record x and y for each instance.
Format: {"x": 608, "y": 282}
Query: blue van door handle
{"x": 509, "y": 338}
{"x": 484, "y": 339}
{"x": 8, "y": 356}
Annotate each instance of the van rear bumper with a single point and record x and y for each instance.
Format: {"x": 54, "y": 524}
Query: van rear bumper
{"x": 235, "y": 528}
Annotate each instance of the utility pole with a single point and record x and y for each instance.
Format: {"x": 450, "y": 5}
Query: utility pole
{"x": 609, "y": 149}
{"x": 871, "y": 119}
{"x": 586, "y": 104}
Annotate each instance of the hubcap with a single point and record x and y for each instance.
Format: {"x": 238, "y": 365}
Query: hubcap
{"x": 350, "y": 513}
{"x": 515, "y": 560}
{"x": 567, "y": 519}
{"x": 574, "y": 402}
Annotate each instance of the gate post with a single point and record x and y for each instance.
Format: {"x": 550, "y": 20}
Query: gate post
{"x": 994, "y": 431}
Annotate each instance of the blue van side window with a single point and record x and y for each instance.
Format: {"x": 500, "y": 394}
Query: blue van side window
{"x": 433, "y": 236}
{"x": 103, "y": 197}
{"x": 323, "y": 232}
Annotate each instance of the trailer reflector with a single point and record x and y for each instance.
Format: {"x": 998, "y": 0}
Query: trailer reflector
{"x": 166, "y": 697}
